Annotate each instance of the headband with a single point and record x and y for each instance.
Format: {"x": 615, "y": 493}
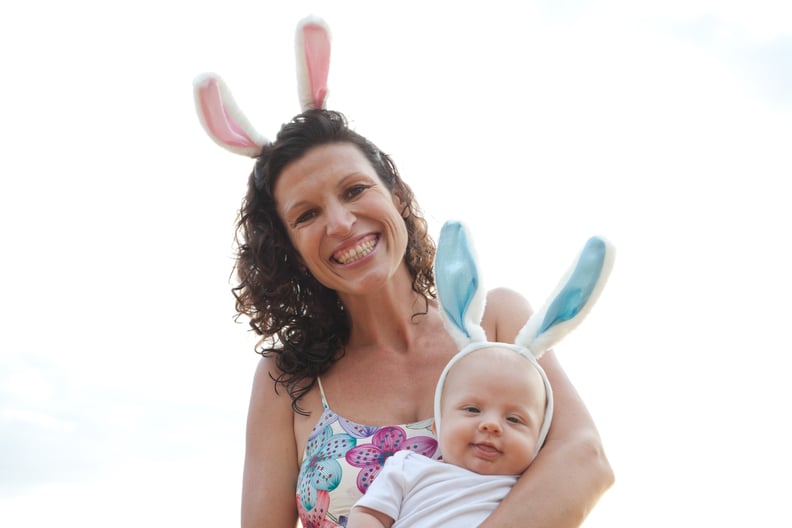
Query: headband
{"x": 462, "y": 297}
{"x": 223, "y": 120}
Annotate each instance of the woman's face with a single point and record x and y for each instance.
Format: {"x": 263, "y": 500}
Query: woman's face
{"x": 342, "y": 220}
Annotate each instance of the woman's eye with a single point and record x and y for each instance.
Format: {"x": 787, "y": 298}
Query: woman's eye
{"x": 355, "y": 190}
{"x": 304, "y": 217}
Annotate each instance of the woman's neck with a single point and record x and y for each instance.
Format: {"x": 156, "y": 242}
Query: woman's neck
{"x": 388, "y": 317}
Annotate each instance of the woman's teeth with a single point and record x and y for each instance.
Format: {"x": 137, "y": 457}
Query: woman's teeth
{"x": 357, "y": 252}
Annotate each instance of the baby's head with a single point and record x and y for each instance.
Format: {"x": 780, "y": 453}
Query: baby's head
{"x": 462, "y": 298}
{"x": 492, "y": 405}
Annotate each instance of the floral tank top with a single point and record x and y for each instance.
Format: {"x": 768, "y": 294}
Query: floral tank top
{"x": 342, "y": 459}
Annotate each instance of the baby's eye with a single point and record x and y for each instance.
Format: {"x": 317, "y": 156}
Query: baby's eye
{"x": 471, "y": 409}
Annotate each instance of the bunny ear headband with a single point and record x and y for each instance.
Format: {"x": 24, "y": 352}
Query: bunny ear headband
{"x": 225, "y": 123}
{"x": 462, "y": 297}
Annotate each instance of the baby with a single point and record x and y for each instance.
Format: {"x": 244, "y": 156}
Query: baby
{"x": 492, "y": 404}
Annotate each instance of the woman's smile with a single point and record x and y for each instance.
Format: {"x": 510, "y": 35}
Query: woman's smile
{"x": 360, "y": 250}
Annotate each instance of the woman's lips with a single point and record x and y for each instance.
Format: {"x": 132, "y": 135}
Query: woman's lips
{"x": 364, "y": 247}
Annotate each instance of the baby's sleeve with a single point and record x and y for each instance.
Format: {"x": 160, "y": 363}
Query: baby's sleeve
{"x": 386, "y": 493}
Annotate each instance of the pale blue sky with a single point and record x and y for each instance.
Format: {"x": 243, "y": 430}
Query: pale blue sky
{"x": 664, "y": 126}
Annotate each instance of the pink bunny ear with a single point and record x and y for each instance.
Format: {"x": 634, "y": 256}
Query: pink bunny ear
{"x": 312, "y": 46}
{"x": 222, "y": 119}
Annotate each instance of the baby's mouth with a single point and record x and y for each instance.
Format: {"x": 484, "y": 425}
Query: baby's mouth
{"x": 486, "y": 449}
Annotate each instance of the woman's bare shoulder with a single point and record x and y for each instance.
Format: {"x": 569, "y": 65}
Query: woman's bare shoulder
{"x": 266, "y": 369}
{"x": 267, "y": 401}
{"x": 271, "y": 409}
{"x": 505, "y": 312}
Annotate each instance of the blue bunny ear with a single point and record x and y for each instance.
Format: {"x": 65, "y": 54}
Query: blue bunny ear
{"x": 572, "y": 299}
{"x": 459, "y": 286}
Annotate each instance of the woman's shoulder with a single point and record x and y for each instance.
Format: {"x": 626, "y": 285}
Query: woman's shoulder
{"x": 505, "y": 312}
{"x": 264, "y": 393}
{"x": 503, "y": 295}
{"x": 266, "y": 371}
{"x": 266, "y": 389}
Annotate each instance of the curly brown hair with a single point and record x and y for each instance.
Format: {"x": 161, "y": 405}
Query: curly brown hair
{"x": 303, "y": 324}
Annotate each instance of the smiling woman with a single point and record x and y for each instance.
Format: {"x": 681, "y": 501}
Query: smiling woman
{"x": 347, "y": 316}
{"x": 334, "y": 265}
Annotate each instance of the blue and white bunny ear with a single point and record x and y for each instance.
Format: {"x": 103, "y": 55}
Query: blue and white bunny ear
{"x": 459, "y": 286}
{"x": 572, "y": 299}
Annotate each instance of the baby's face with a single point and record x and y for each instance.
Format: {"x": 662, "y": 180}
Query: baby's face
{"x": 492, "y": 409}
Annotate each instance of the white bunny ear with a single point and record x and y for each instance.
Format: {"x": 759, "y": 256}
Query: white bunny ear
{"x": 222, "y": 119}
{"x": 312, "y": 46}
{"x": 572, "y": 299}
{"x": 459, "y": 286}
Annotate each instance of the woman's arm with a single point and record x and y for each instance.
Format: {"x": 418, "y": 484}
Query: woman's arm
{"x": 571, "y": 472}
{"x": 269, "y": 482}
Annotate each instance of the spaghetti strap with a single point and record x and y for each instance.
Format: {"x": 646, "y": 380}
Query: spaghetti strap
{"x": 348, "y": 446}
{"x": 321, "y": 391}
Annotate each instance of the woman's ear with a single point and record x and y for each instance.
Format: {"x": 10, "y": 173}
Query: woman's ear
{"x": 400, "y": 204}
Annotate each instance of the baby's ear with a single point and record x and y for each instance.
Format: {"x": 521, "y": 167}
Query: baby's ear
{"x": 459, "y": 286}
{"x": 571, "y": 301}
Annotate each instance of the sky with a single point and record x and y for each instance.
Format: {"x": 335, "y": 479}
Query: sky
{"x": 664, "y": 126}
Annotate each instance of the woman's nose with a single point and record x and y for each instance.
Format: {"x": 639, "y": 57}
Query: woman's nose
{"x": 339, "y": 220}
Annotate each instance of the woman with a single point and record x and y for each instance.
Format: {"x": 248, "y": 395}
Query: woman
{"x": 335, "y": 274}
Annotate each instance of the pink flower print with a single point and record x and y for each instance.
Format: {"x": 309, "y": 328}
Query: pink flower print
{"x": 320, "y": 471}
{"x": 316, "y": 517}
{"x": 385, "y": 442}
